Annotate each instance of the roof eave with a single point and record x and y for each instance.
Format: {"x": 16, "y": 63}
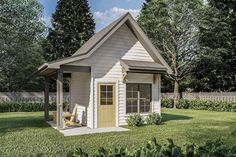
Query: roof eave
{"x": 45, "y": 70}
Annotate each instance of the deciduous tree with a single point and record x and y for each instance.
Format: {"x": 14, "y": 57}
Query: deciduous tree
{"x": 171, "y": 26}
{"x": 215, "y": 66}
{"x": 21, "y": 28}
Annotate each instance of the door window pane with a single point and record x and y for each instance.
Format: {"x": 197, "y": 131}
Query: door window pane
{"x": 109, "y": 101}
{"x": 103, "y": 95}
{"x": 106, "y": 95}
{"x": 109, "y": 95}
{"x": 109, "y": 88}
{"x": 103, "y": 101}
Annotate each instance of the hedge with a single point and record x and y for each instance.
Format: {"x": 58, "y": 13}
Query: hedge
{"x": 24, "y": 106}
{"x": 201, "y": 105}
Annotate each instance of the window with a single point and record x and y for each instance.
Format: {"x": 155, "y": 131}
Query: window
{"x": 138, "y": 98}
{"x": 106, "y": 94}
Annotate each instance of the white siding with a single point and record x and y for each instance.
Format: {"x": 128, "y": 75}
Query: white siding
{"x": 80, "y": 94}
{"x": 106, "y": 65}
{"x": 139, "y": 78}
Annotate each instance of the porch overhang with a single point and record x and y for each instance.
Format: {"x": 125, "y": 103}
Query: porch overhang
{"x": 132, "y": 66}
{"x": 47, "y": 70}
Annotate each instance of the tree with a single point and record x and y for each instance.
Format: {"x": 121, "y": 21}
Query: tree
{"x": 73, "y": 25}
{"x": 215, "y": 66}
{"x": 21, "y": 28}
{"x": 145, "y": 4}
{"x": 171, "y": 26}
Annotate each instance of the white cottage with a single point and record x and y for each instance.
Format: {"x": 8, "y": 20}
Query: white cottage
{"x": 114, "y": 74}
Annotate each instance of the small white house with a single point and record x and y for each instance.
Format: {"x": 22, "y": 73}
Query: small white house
{"x": 114, "y": 74}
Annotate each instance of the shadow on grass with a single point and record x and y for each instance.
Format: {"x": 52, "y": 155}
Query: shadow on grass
{"x": 168, "y": 117}
{"x": 11, "y": 124}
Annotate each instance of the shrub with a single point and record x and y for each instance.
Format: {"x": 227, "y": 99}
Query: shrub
{"x": 201, "y": 105}
{"x": 135, "y": 120}
{"x": 25, "y": 106}
{"x": 168, "y": 103}
{"x": 153, "y": 119}
{"x": 183, "y": 104}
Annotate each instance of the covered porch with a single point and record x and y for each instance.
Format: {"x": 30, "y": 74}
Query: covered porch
{"x": 64, "y": 115}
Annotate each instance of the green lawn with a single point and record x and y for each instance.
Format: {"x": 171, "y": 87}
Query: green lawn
{"x": 26, "y": 134}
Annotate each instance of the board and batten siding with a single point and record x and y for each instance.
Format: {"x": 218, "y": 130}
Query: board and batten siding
{"x": 105, "y": 63}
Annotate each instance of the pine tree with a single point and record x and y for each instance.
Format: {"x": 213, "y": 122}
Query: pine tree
{"x": 73, "y": 25}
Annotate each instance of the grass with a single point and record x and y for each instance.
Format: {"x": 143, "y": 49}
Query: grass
{"x": 26, "y": 134}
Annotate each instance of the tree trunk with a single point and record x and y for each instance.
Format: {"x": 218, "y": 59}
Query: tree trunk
{"x": 176, "y": 94}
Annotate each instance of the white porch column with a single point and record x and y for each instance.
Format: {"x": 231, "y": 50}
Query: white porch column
{"x": 59, "y": 98}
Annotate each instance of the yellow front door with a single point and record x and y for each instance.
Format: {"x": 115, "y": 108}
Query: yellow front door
{"x": 106, "y": 105}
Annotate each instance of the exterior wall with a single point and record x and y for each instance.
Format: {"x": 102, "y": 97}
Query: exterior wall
{"x": 106, "y": 67}
{"x": 139, "y": 78}
{"x": 80, "y": 94}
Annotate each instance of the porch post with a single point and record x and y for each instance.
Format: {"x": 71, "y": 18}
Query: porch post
{"x": 59, "y": 98}
{"x": 46, "y": 98}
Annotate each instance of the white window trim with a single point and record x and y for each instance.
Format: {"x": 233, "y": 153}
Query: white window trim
{"x": 143, "y": 113}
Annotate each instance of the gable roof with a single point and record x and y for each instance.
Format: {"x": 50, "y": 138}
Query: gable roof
{"x": 99, "y": 38}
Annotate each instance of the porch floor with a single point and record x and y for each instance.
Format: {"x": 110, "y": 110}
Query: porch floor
{"x": 73, "y": 131}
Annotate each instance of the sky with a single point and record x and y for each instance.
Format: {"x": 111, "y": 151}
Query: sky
{"x": 104, "y": 11}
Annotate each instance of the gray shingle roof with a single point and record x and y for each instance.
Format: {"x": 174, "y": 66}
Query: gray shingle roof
{"x": 142, "y": 66}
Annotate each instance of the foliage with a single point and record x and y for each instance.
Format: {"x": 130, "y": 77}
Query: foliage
{"x": 213, "y": 64}
{"x": 233, "y": 133}
{"x": 78, "y": 152}
{"x": 27, "y": 134}
{"x": 25, "y": 106}
{"x": 214, "y": 67}
{"x": 135, "y": 120}
{"x": 21, "y": 30}
{"x": 153, "y": 119}
{"x": 216, "y": 148}
{"x": 172, "y": 27}
{"x": 152, "y": 148}
{"x": 202, "y": 105}
{"x": 72, "y": 25}
{"x": 211, "y": 148}
{"x": 168, "y": 103}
